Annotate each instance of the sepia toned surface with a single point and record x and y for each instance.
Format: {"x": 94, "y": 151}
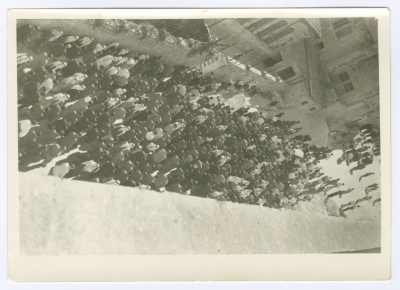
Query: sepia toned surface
{"x": 296, "y": 48}
{"x": 55, "y": 222}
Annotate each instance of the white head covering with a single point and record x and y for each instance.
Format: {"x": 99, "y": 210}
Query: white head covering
{"x": 150, "y": 136}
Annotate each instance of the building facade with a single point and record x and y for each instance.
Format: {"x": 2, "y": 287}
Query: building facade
{"x": 328, "y": 68}
{"x": 350, "y": 55}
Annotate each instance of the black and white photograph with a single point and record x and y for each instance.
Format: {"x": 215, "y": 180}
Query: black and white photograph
{"x": 199, "y": 136}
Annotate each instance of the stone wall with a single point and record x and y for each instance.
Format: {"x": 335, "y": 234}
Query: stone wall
{"x": 308, "y": 74}
{"x": 370, "y": 89}
{"x": 335, "y": 49}
{"x": 338, "y": 55}
{"x": 298, "y": 94}
{"x": 63, "y": 217}
{"x": 356, "y": 54}
{"x": 341, "y": 114}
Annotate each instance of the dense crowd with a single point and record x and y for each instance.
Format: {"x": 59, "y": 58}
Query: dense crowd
{"x": 121, "y": 118}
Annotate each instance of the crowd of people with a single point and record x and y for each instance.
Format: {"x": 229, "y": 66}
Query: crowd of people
{"x": 116, "y": 117}
{"x": 363, "y": 148}
{"x": 355, "y": 204}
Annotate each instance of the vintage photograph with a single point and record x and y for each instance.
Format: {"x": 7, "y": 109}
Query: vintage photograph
{"x": 198, "y": 136}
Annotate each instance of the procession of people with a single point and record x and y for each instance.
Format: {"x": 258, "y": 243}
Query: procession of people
{"x": 123, "y": 118}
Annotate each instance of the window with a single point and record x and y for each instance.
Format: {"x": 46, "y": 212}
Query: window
{"x": 342, "y": 77}
{"x": 270, "y": 62}
{"x": 264, "y": 33}
{"x": 304, "y": 103}
{"x": 319, "y": 45}
{"x": 286, "y": 73}
{"x": 348, "y": 87}
{"x": 260, "y": 23}
{"x": 341, "y": 90}
{"x": 280, "y": 35}
{"x": 342, "y": 28}
{"x": 313, "y": 109}
{"x": 340, "y": 23}
{"x": 344, "y": 32}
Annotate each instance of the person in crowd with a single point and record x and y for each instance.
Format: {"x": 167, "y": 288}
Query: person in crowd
{"x": 365, "y": 198}
{"x": 366, "y": 175}
{"x": 349, "y": 206}
{"x": 376, "y": 200}
{"x": 371, "y": 187}
{"x": 339, "y": 193}
{"x": 362, "y": 149}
